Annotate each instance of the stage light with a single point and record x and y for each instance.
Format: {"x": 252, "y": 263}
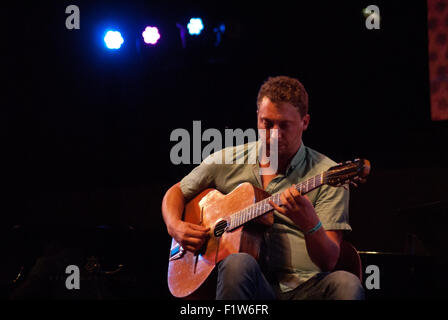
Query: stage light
{"x": 219, "y": 30}
{"x": 113, "y": 39}
{"x": 195, "y": 26}
{"x": 151, "y": 35}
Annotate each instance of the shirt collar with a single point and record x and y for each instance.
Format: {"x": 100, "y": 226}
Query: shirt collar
{"x": 296, "y": 160}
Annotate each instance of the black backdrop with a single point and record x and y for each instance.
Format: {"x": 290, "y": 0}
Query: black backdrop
{"x": 85, "y": 132}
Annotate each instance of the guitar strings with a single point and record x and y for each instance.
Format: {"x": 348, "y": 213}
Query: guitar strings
{"x": 253, "y": 211}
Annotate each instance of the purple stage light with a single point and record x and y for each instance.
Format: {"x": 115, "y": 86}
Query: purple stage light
{"x": 151, "y": 35}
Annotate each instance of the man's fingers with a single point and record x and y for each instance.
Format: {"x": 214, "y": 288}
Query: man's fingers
{"x": 192, "y": 237}
{"x": 298, "y": 197}
{"x": 278, "y": 208}
{"x": 194, "y": 241}
{"x": 192, "y": 244}
{"x": 289, "y": 198}
{"x": 302, "y": 200}
{"x": 295, "y": 193}
{"x": 195, "y": 230}
{"x": 190, "y": 248}
{"x": 195, "y": 233}
{"x": 285, "y": 202}
{"x": 199, "y": 227}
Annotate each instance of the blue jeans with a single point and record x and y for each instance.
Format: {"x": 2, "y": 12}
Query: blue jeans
{"x": 240, "y": 278}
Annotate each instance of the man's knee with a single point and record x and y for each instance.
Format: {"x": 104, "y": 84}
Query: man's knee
{"x": 238, "y": 265}
{"x": 344, "y": 285}
{"x": 239, "y": 278}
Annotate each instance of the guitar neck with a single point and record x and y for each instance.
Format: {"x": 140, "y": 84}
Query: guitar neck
{"x": 262, "y": 207}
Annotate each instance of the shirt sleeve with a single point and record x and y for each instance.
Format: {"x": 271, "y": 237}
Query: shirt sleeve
{"x": 201, "y": 177}
{"x": 332, "y": 207}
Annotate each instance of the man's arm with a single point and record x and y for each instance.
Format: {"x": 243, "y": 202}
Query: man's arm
{"x": 323, "y": 246}
{"x": 190, "y": 236}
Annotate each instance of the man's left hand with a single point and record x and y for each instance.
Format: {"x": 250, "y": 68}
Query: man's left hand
{"x": 298, "y": 208}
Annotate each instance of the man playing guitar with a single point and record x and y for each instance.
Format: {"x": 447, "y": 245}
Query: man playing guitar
{"x": 302, "y": 246}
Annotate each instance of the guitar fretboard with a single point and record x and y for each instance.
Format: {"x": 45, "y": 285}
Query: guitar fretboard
{"x": 259, "y": 208}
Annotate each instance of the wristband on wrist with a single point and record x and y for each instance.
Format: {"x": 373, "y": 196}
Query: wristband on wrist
{"x": 317, "y": 227}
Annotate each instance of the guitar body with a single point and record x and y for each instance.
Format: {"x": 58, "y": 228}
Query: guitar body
{"x": 189, "y": 275}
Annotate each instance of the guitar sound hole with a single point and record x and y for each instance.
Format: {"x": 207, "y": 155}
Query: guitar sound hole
{"x": 220, "y": 228}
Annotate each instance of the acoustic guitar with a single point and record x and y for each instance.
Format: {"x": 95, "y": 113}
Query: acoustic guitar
{"x": 237, "y": 221}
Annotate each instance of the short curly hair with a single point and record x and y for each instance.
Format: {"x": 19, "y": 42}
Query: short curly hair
{"x": 285, "y": 89}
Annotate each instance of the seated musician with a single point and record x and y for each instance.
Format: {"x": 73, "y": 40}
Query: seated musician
{"x": 302, "y": 246}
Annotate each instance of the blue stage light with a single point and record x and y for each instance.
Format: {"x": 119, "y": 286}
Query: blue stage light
{"x": 219, "y": 30}
{"x": 195, "y": 26}
{"x": 113, "y": 39}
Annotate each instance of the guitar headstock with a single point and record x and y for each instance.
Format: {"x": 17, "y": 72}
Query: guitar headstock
{"x": 348, "y": 172}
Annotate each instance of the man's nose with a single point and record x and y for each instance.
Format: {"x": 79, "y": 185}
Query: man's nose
{"x": 274, "y": 133}
{"x": 277, "y": 133}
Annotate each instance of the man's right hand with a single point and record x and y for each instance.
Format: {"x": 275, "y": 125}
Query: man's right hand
{"x": 189, "y": 235}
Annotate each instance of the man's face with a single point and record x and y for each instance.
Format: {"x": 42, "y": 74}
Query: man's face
{"x": 290, "y": 125}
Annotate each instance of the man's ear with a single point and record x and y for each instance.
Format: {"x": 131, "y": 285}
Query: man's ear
{"x": 306, "y": 121}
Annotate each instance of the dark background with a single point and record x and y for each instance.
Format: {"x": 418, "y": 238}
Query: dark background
{"x": 85, "y": 131}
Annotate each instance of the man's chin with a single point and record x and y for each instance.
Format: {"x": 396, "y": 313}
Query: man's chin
{"x": 280, "y": 148}
{"x": 281, "y": 152}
